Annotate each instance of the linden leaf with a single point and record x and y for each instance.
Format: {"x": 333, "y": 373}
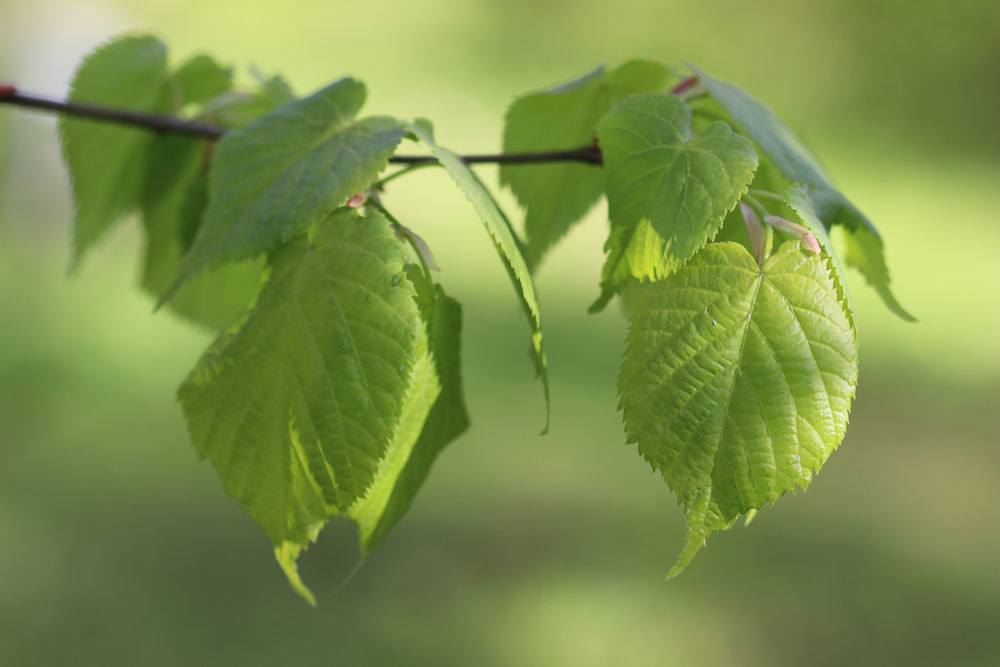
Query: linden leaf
{"x": 556, "y": 196}
{"x": 298, "y": 406}
{"x": 106, "y": 161}
{"x": 286, "y": 171}
{"x": 737, "y": 380}
{"x": 659, "y": 172}
{"x": 432, "y": 415}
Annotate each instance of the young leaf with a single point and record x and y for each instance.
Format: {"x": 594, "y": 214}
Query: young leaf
{"x": 506, "y": 242}
{"x": 297, "y": 407}
{"x": 659, "y": 172}
{"x": 555, "y": 196}
{"x": 798, "y": 164}
{"x": 287, "y": 171}
{"x": 737, "y": 380}
{"x": 106, "y": 161}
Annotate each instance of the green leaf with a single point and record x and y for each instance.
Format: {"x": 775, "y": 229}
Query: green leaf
{"x": 506, "y": 242}
{"x": 199, "y": 80}
{"x": 555, "y": 196}
{"x": 798, "y": 164}
{"x": 660, "y": 172}
{"x": 865, "y": 252}
{"x": 798, "y": 200}
{"x": 297, "y": 407}
{"x": 105, "y": 160}
{"x": 234, "y": 109}
{"x": 737, "y": 380}
{"x": 420, "y": 438}
{"x": 287, "y": 171}
{"x": 433, "y": 414}
{"x": 173, "y": 202}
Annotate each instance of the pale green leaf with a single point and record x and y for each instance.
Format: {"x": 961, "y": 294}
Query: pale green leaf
{"x": 660, "y": 172}
{"x": 297, "y": 407}
{"x": 557, "y": 195}
{"x": 507, "y": 244}
{"x": 105, "y": 160}
{"x": 287, "y": 171}
{"x": 797, "y": 163}
{"x": 737, "y": 380}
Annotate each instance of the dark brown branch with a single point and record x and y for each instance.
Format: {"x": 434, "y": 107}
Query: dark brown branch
{"x": 162, "y": 123}
{"x": 149, "y": 121}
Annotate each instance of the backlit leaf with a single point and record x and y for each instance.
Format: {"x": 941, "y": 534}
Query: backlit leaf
{"x": 737, "y": 380}
{"x": 660, "y": 173}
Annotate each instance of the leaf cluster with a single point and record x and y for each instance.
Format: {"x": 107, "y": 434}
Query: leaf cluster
{"x": 335, "y": 381}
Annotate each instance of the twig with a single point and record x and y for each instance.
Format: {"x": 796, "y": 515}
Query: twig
{"x": 590, "y": 154}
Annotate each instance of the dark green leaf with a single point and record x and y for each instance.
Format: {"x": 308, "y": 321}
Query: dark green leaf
{"x": 173, "y": 202}
{"x": 287, "y": 171}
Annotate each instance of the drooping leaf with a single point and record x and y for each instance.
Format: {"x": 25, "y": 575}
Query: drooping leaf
{"x": 661, "y": 174}
{"x": 287, "y": 171}
{"x": 799, "y": 165}
{"x": 297, "y": 407}
{"x": 557, "y": 195}
{"x": 737, "y": 380}
{"x": 865, "y": 252}
{"x": 508, "y": 245}
{"x": 419, "y": 444}
{"x": 173, "y": 202}
{"x": 432, "y": 415}
{"x": 106, "y": 160}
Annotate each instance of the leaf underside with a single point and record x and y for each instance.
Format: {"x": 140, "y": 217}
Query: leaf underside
{"x": 507, "y": 244}
{"x": 737, "y": 380}
{"x": 865, "y": 250}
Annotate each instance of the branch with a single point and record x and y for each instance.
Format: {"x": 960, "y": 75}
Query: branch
{"x": 161, "y": 123}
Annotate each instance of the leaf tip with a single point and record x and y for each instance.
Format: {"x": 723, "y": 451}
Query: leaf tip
{"x": 695, "y": 541}
{"x": 287, "y": 554}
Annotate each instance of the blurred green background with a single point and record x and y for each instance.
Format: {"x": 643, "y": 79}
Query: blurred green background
{"x": 119, "y": 547}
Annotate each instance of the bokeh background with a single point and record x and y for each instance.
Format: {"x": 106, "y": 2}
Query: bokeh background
{"x": 118, "y": 547}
